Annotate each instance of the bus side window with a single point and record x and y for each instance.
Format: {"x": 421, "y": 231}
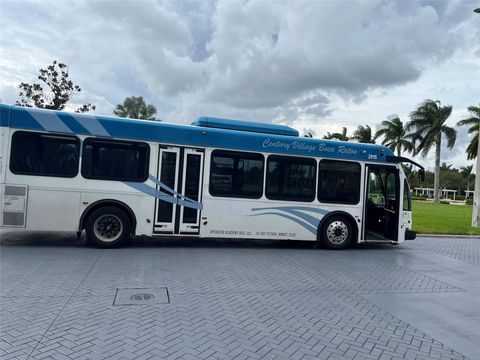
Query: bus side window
{"x": 44, "y": 154}
{"x": 115, "y": 160}
{"x": 290, "y": 178}
{"x": 339, "y": 182}
{"x": 236, "y": 174}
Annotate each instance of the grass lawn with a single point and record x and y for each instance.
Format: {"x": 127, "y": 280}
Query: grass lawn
{"x": 431, "y": 218}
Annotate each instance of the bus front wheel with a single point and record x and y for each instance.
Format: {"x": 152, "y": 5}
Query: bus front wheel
{"x": 108, "y": 227}
{"x": 336, "y": 233}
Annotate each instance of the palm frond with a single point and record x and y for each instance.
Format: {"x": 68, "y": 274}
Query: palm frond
{"x": 428, "y": 124}
{"x": 469, "y": 121}
{"x": 475, "y": 110}
{"x": 380, "y": 133}
{"x": 451, "y": 135}
{"x": 472, "y": 148}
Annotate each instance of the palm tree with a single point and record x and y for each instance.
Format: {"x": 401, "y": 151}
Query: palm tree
{"x": 338, "y": 136}
{"x": 395, "y": 136}
{"x": 467, "y": 174}
{"x": 363, "y": 134}
{"x": 474, "y": 123}
{"x": 134, "y": 107}
{"x": 446, "y": 167}
{"x": 428, "y": 126}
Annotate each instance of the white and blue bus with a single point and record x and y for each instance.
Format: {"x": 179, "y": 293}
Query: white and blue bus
{"x": 216, "y": 178}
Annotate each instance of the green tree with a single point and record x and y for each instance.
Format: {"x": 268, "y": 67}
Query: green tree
{"x": 135, "y": 107}
{"x": 428, "y": 126}
{"x": 338, "y": 136}
{"x": 416, "y": 182}
{"x": 453, "y": 180}
{"x": 363, "y": 134}
{"x": 60, "y": 90}
{"x": 445, "y": 167}
{"x": 474, "y": 123}
{"x": 395, "y": 136}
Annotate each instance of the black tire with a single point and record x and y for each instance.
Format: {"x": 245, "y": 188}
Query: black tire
{"x": 108, "y": 227}
{"x": 337, "y": 232}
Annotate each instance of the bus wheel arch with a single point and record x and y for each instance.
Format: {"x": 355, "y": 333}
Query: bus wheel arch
{"x": 344, "y": 224}
{"x": 108, "y": 203}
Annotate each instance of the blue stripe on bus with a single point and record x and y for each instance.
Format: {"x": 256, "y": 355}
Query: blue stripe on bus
{"x": 182, "y": 201}
{"x": 290, "y": 208}
{"x": 92, "y": 124}
{"x": 306, "y": 217}
{"x": 21, "y": 119}
{"x": 4, "y": 116}
{"x": 50, "y": 122}
{"x": 295, "y": 214}
{"x": 165, "y": 187}
{"x": 302, "y": 223}
{"x": 193, "y": 136}
{"x": 160, "y": 184}
{"x": 73, "y": 124}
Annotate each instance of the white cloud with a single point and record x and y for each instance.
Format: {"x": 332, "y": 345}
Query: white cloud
{"x": 266, "y": 54}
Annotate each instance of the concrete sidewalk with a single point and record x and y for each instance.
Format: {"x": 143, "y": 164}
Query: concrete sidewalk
{"x": 200, "y": 299}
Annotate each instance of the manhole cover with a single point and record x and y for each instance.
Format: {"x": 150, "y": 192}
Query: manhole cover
{"x": 141, "y": 296}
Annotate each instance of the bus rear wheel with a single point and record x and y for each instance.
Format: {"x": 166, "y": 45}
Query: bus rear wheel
{"x": 108, "y": 227}
{"x": 336, "y": 233}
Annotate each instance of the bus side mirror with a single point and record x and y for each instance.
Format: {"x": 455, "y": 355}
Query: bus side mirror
{"x": 421, "y": 174}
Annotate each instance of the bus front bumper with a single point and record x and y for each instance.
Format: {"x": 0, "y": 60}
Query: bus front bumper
{"x": 410, "y": 234}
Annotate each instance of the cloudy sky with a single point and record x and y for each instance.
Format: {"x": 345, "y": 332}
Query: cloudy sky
{"x": 314, "y": 65}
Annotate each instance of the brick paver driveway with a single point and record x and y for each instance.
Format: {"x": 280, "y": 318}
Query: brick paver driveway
{"x": 239, "y": 300}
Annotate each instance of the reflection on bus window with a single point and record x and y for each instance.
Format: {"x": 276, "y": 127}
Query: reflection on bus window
{"x": 339, "y": 182}
{"x": 44, "y": 154}
{"x": 290, "y": 178}
{"x": 115, "y": 160}
{"x": 236, "y": 174}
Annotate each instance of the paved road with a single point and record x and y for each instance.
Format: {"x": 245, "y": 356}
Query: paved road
{"x": 238, "y": 300}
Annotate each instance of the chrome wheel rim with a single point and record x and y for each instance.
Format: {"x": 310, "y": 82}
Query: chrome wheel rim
{"x": 108, "y": 228}
{"x": 337, "y": 232}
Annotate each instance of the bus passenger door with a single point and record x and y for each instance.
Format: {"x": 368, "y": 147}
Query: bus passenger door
{"x": 168, "y": 166}
{"x": 392, "y": 208}
{"x": 189, "y": 221}
{"x": 406, "y": 210}
{"x": 180, "y": 176}
{"x": 382, "y": 203}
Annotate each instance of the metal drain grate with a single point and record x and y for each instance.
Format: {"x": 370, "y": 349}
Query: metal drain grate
{"x": 141, "y": 296}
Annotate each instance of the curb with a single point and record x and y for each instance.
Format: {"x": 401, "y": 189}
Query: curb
{"x": 450, "y": 236}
